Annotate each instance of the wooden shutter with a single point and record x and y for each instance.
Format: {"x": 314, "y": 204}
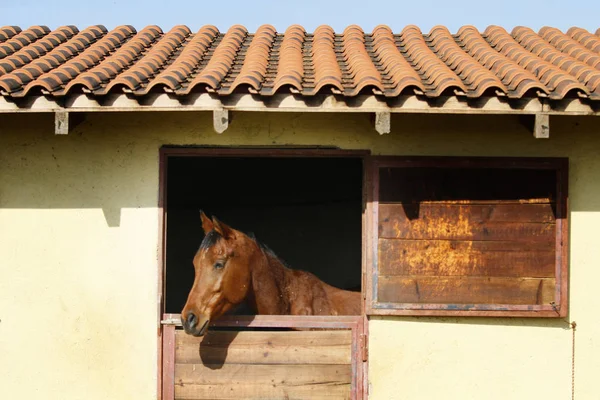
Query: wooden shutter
{"x": 467, "y": 236}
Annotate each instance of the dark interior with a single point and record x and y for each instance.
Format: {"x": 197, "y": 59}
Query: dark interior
{"x": 411, "y": 186}
{"x": 408, "y": 185}
{"x": 308, "y": 210}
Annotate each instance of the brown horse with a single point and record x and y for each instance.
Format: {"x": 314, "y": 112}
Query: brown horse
{"x": 231, "y": 267}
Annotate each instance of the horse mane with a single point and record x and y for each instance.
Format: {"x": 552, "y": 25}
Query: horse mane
{"x": 212, "y": 237}
{"x": 269, "y": 251}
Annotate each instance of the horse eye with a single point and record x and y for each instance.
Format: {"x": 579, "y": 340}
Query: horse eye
{"x": 219, "y": 265}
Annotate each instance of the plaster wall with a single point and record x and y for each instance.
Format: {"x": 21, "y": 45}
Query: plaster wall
{"x": 79, "y": 260}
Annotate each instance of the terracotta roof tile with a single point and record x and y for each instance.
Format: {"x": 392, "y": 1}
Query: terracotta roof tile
{"x": 14, "y": 43}
{"x": 98, "y": 77}
{"x": 516, "y": 79}
{"x": 221, "y": 61}
{"x": 254, "y": 65}
{"x": 324, "y": 62}
{"x": 570, "y": 47}
{"x": 6, "y": 32}
{"x": 471, "y": 63}
{"x": 54, "y": 49}
{"x": 55, "y": 79}
{"x": 591, "y": 42}
{"x": 588, "y": 76}
{"x": 395, "y": 67}
{"x": 475, "y": 76}
{"x": 148, "y": 66}
{"x": 290, "y": 69}
{"x": 360, "y": 67}
{"x": 187, "y": 61}
{"x": 437, "y": 76}
{"x": 558, "y": 83}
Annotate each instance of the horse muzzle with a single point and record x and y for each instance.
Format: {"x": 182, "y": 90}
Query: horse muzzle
{"x": 194, "y": 325}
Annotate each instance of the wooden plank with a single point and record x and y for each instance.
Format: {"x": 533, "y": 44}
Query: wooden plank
{"x": 218, "y": 337}
{"x": 385, "y": 163}
{"x": 264, "y": 392}
{"x": 562, "y": 242}
{"x": 275, "y": 321}
{"x": 465, "y": 290}
{"x": 462, "y": 228}
{"x": 256, "y": 347}
{"x": 413, "y": 310}
{"x": 497, "y": 211}
{"x": 265, "y": 354}
{"x": 466, "y": 258}
{"x": 238, "y": 374}
{"x": 443, "y": 180}
{"x": 168, "y": 367}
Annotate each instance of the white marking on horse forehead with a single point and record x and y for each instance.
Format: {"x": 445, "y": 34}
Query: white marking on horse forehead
{"x": 219, "y": 251}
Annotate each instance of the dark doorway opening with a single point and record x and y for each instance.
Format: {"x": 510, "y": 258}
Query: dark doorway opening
{"x": 307, "y": 209}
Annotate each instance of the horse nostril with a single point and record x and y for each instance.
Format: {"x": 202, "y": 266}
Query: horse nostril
{"x": 192, "y": 320}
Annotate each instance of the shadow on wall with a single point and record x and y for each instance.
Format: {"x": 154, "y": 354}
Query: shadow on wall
{"x": 110, "y": 160}
{"x": 214, "y": 347}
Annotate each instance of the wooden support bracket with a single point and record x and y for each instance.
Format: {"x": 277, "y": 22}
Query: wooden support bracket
{"x": 61, "y": 123}
{"x": 382, "y": 122}
{"x": 65, "y": 121}
{"x": 541, "y": 127}
{"x": 220, "y": 120}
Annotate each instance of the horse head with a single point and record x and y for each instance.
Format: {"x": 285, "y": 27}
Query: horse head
{"x": 222, "y": 275}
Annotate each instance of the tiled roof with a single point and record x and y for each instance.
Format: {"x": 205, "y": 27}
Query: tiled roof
{"x": 523, "y": 63}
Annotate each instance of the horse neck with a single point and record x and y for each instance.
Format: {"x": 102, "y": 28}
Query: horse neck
{"x": 269, "y": 279}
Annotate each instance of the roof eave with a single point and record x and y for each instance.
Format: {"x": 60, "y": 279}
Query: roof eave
{"x": 297, "y": 103}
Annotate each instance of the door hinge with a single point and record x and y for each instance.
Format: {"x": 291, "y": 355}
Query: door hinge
{"x": 364, "y": 345}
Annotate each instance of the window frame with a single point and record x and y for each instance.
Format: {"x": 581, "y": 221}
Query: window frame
{"x": 167, "y": 322}
{"x": 557, "y": 310}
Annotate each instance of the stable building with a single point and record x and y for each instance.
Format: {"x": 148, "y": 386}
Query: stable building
{"x": 452, "y": 178}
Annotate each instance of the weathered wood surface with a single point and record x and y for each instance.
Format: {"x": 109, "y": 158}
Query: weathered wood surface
{"x": 255, "y": 374}
{"x": 470, "y": 234}
{"x": 323, "y": 391}
{"x": 529, "y": 210}
{"x": 216, "y": 337}
{"x": 466, "y": 258}
{"x": 450, "y": 222}
{"x": 465, "y": 290}
{"x": 264, "y": 365}
{"x": 260, "y": 347}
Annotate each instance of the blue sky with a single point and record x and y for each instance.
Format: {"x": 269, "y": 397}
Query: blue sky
{"x": 309, "y": 13}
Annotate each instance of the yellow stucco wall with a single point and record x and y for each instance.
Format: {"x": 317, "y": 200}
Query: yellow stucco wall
{"x": 78, "y": 257}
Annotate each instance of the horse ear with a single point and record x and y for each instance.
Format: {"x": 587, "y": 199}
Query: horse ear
{"x": 222, "y": 228}
{"x": 207, "y": 224}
